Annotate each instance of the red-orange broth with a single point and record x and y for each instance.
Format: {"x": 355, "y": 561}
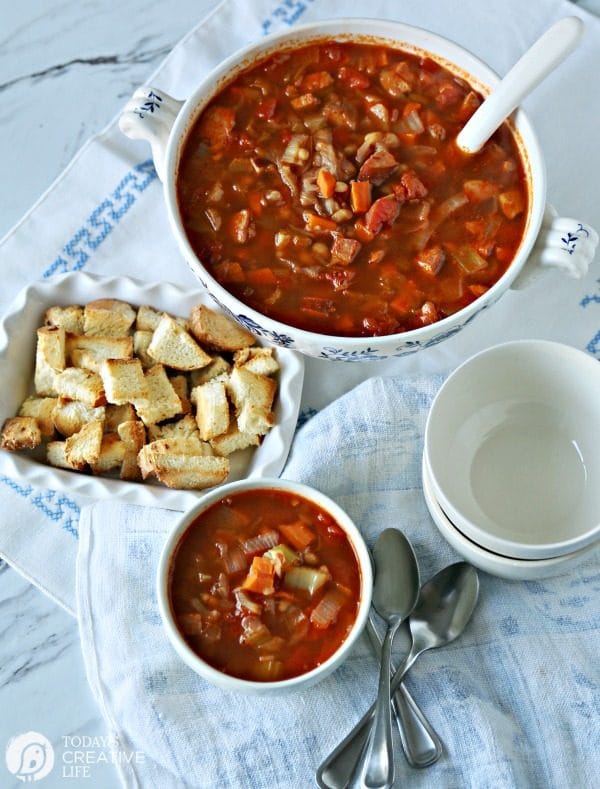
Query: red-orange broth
{"x": 264, "y": 585}
{"x": 323, "y": 187}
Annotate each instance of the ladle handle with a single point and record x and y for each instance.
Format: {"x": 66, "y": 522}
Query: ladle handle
{"x": 337, "y": 770}
{"x": 547, "y": 52}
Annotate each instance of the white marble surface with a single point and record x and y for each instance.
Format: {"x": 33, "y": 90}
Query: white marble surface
{"x": 65, "y": 70}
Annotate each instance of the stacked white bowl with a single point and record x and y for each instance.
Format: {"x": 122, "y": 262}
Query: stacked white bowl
{"x": 511, "y": 467}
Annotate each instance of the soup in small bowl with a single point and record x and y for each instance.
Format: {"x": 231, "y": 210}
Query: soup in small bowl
{"x": 264, "y": 586}
{"x": 315, "y": 187}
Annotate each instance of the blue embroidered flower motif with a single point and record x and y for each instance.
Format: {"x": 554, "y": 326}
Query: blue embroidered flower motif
{"x": 570, "y": 239}
{"x": 283, "y": 340}
{"x": 153, "y": 102}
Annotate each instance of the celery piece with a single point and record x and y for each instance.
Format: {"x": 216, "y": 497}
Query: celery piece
{"x": 306, "y": 578}
{"x": 468, "y": 259}
{"x": 282, "y": 557}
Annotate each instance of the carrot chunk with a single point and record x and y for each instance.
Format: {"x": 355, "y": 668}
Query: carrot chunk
{"x": 261, "y": 277}
{"x": 326, "y": 183}
{"x": 298, "y": 534}
{"x": 319, "y": 223}
{"x": 360, "y": 196}
{"x": 260, "y": 578}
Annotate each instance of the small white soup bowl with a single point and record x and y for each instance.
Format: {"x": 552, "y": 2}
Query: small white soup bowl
{"x": 163, "y": 121}
{"x": 207, "y": 671}
{"x": 511, "y": 449}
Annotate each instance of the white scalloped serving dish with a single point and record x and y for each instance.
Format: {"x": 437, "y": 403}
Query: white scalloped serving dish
{"x": 17, "y": 361}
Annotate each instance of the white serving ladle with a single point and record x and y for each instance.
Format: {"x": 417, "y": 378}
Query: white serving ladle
{"x": 527, "y": 73}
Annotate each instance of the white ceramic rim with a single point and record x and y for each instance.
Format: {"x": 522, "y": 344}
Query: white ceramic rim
{"x": 17, "y": 359}
{"x": 226, "y": 681}
{"x": 396, "y": 35}
{"x": 484, "y": 539}
{"x": 503, "y": 566}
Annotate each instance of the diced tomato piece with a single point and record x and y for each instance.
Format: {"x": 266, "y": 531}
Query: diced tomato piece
{"x": 254, "y": 201}
{"x": 504, "y": 254}
{"x": 431, "y": 260}
{"x": 353, "y": 78}
{"x": 360, "y": 196}
{"x": 216, "y": 126}
{"x": 298, "y": 534}
{"x": 242, "y": 226}
{"x": 384, "y": 211}
{"x": 448, "y": 93}
{"x": 411, "y": 106}
{"x": 512, "y": 203}
{"x": 478, "y": 290}
{"x": 266, "y": 108}
{"x": 261, "y": 277}
{"x": 428, "y": 314}
{"x": 318, "y": 80}
{"x": 340, "y": 278}
{"x": 470, "y": 103}
{"x": 230, "y": 271}
{"x": 307, "y": 101}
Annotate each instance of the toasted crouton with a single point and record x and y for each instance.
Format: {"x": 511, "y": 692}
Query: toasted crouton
{"x": 90, "y": 352}
{"x": 84, "y": 446}
{"x": 123, "y": 380}
{"x": 70, "y": 318}
{"x": 20, "y": 432}
{"x": 49, "y": 359}
{"x": 252, "y": 396}
{"x": 56, "y": 456}
{"x": 216, "y": 330}
{"x": 40, "y": 408}
{"x": 108, "y": 318}
{"x": 212, "y": 409}
{"x": 141, "y": 341}
{"x": 69, "y": 416}
{"x": 257, "y": 360}
{"x": 112, "y": 453}
{"x": 161, "y": 401}
{"x": 180, "y": 385}
{"x": 233, "y": 440}
{"x": 173, "y": 346}
{"x": 186, "y": 427}
{"x": 133, "y": 436}
{"x": 171, "y": 462}
{"x": 75, "y": 383}
{"x": 115, "y": 414}
{"x": 148, "y": 319}
{"x": 217, "y": 367}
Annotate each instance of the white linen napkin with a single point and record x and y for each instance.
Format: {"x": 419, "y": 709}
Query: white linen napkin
{"x": 104, "y": 209}
{"x": 515, "y": 698}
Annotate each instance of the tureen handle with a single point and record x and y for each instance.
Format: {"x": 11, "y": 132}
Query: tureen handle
{"x": 562, "y": 243}
{"x": 149, "y": 115}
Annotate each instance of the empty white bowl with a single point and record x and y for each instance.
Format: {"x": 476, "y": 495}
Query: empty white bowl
{"x": 493, "y": 563}
{"x": 511, "y": 447}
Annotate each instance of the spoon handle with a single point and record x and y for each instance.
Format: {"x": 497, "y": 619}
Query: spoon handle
{"x": 421, "y": 744}
{"x": 378, "y": 765}
{"x": 547, "y": 52}
{"x": 338, "y": 768}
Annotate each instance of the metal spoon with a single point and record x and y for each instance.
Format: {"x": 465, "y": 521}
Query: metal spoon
{"x": 540, "y": 59}
{"x": 395, "y": 595}
{"x": 446, "y": 604}
{"x": 420, "y": 742}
